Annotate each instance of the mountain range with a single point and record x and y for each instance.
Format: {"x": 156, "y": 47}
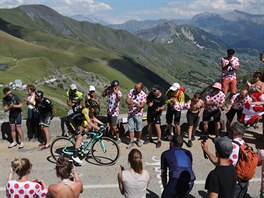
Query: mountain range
{"x": 237, "y": 29}
{"x": 38, "y": 43}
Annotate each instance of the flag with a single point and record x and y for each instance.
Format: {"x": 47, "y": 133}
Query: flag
{"x": 251, "y": 112}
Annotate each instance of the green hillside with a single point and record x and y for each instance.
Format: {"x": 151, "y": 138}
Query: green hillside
{"x": 38, "y": 44}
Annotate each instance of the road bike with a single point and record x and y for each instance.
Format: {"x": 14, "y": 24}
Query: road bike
{"x": 104, "y": 150}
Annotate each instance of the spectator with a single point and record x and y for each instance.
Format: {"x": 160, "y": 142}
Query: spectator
{"x": 75, "y": 97}
{"x": 134, "y": 181}
{"x": 171, "y": 98}
{"x": 193, "y": 116}
{"x": 230, "y": 66}
{"x": 261, "y": 163}
{"x": 257, "y": 87}
{"x": 221, "y": 182}
{"x": 12, "y": 103}
{"x": 214, "y": 101}
{"x": 93, "y": 95}
{"x": 22, "y": 187}
{"x": 181, "y": 175}
{"x": 114, "y": 97}
{"x": 71, "y": 185}
{"x": 235, "y": 106}
{"x": 156, "y": 104}
{"x": 46, "y": 110}
{"x": 30, "y": 101}
{"x": 261, "y": 57}
{"x": 236, "y": 133}
{"x": 136, "y": 100}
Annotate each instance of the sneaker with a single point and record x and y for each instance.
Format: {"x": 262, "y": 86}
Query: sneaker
{"x": 21, "y": 145}
{"x": 13, "y": 144}
{"x": 148, "y": 141}
{"x": 193, "y": 138}
{"x": 118, "y": 141}
{"x": 170, "y": 137}
{"x": 131, "y": 144}
{"x": 158, "y": 145}
{"x": 138, "y": 142}
{"x": 77, "y": 160}
{"x": 189, "y": 144}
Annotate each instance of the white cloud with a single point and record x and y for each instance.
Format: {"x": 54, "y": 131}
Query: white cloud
{"x": 186, "y": 9}
{"x": 65, "y": 7}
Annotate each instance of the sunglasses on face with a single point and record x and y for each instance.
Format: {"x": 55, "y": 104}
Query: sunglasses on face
{"x": 92, "y": 91}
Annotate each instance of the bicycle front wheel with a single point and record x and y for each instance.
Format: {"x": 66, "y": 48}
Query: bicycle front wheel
{"x": 62, "y": 146}
{"x": 105, "y": 151}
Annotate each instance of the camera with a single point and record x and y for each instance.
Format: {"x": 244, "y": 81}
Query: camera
{"x": 203, "y": 137}
{"x": 122, "y": 168}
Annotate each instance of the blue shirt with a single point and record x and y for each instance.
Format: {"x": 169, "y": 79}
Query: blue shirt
{"x": 177, "y": 160}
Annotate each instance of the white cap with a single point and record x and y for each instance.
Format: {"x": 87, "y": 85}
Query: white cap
{"x": 73, "y": 87}
{"x": 91, "y": 88}
{"x": 175, "y": 86}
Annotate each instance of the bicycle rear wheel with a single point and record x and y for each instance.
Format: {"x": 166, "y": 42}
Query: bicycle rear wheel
{"x": 105, "y": 151}
{"x": 62, "y": 146}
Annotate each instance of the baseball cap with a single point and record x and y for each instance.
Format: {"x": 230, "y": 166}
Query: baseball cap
{"x": 175, "y": 86}
{"x": 73, "y": 87}
{"x": 91, "y": 88}
{"x": 223, "y": 146}
{"x": 155, "y": 87}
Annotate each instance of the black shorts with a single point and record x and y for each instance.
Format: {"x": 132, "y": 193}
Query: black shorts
{"x": 232, "y": 112}
{"x": 15, "y": 119}
{"x": 170, "y": 113}
{"x": 153, "y": 117}
{"x": 73, "y": 126}
{"x": 192, "y": 118}
{"x": 177, "y": 188}
{"x": 113, "y": 120}
{"x": 215, "y": 114}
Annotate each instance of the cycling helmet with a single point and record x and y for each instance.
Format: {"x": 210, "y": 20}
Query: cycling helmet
{"x": 91, "y": 103}
{"x": 115, "y": 83}
{"x": 39, "y": 94}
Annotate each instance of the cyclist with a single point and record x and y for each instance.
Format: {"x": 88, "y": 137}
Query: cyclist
{"x": 78, "y": 120}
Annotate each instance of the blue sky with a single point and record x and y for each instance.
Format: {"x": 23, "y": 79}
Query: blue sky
{"x": 119, "y": 11}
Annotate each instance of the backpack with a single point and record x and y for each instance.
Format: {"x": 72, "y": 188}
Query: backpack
{"x": 247, "y": 162}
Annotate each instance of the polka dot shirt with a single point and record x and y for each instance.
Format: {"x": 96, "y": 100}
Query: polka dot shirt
{"x": 238, "y": 103}
{"x": 137, "y": 99}
{"x": 228, "y": 73}
{"x": 219, "y": 98}
{"x": 233, "y": 158}
{"x": 28, "y": 189}
{"x": 113, "y": 103}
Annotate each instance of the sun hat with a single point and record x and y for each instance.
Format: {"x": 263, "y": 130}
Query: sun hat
{"x": 73, "y": 87}
{"x": 223, "y": 146}
{"x": 91, "y": 88}
{"x": 217, "y": 85}
{"x": 175, "y": 86}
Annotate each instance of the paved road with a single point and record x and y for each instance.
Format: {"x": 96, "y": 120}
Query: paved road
{"x": 100, "y": 181}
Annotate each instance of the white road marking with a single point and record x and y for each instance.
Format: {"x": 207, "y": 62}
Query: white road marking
{"x": 98, "y": 186}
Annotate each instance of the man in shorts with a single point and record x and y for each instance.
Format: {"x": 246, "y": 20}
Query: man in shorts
{"x": 236, "y": 105}
{"x": 136, "y": 100}
{"x": 214, "y": 101}
{"x": 156, "y": 104}
{"x": 181, "y": 175}
{"x": 12, "y": 103}
{"x": 79, "y": 119}
{"x": 193, "y": 116}
{"x": 46, "y": 113}
{"x": 230, "y": 66}
{"x": 114, "y": 97}
{"x": 173, "y": 96}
